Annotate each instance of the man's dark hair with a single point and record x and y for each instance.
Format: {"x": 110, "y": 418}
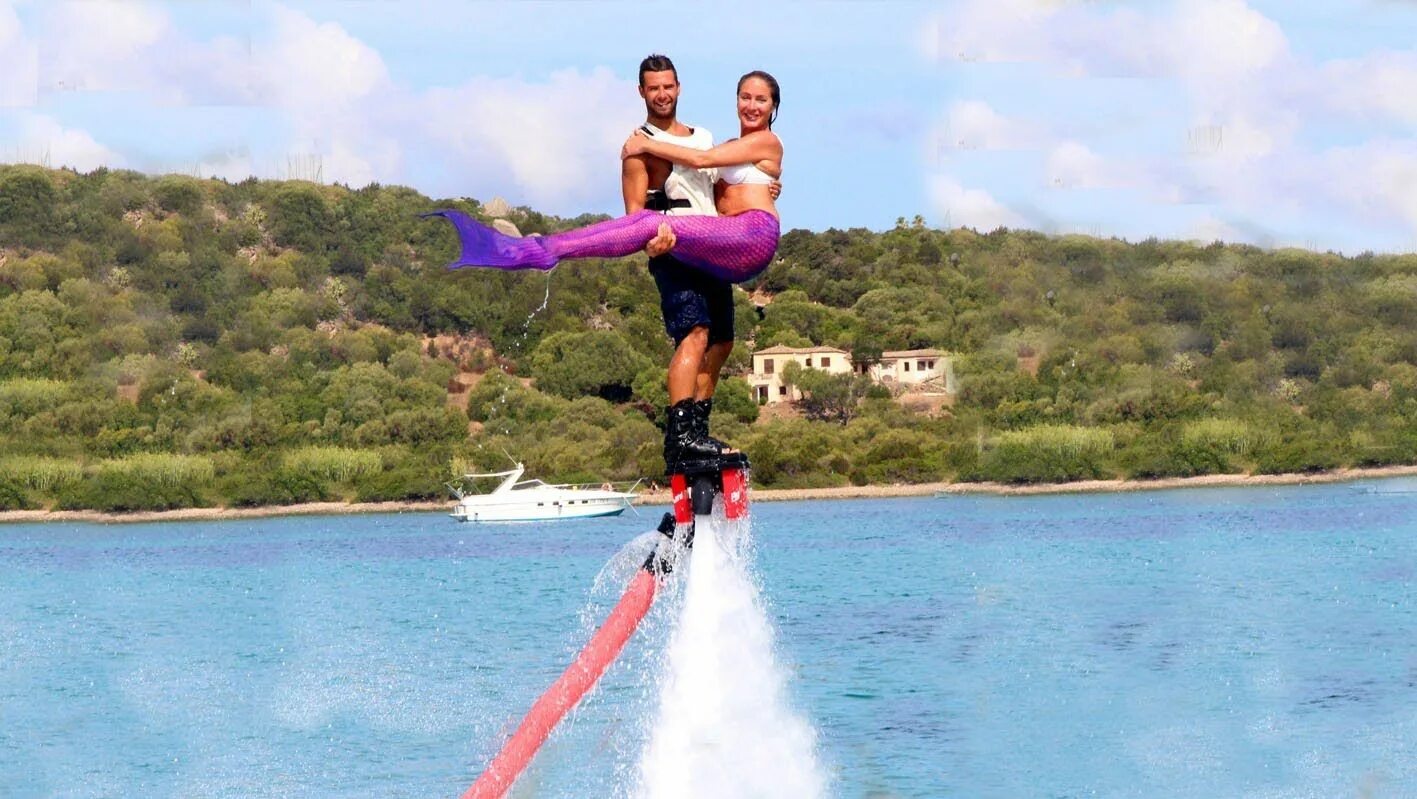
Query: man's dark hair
{"x": 657, "y": 63}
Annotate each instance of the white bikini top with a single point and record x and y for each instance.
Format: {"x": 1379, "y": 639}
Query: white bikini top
{"x": 744, "y": 173}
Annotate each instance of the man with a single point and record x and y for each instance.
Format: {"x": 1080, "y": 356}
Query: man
{"x": 698, "y": 309}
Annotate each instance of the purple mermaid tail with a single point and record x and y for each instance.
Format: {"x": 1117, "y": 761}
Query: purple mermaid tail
{"x": 732, "y": 248}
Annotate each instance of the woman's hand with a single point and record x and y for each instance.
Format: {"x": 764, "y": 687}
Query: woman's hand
{"x": 635, "y": 145}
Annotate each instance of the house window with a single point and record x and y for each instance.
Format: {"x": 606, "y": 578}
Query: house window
{"x": 919, "y": 366}
{"x": 782, "y": 391}
{"x": 767, "y": 366}
{"x": 826, "y": 361}
{"x": 907, "y": 366}
{"x": 809, "y": 361}
{"x": 930, "y": 364}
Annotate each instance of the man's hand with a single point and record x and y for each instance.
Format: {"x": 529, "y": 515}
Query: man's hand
{"x": 775, "y": 189}
{"x": 661, "y": 243}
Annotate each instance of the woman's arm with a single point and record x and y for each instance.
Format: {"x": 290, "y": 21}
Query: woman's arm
{"x": 761, "y": 145}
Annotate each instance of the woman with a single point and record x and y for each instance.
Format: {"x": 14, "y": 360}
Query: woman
{"x": 735, "y": 246}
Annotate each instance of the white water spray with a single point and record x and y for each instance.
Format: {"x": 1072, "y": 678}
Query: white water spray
{"x": 724, "y": 727}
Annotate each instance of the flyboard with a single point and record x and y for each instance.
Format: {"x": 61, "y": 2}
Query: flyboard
{"x": 694, "y": 485}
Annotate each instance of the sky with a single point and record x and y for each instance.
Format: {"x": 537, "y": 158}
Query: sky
{"x": 1272, "y": 122}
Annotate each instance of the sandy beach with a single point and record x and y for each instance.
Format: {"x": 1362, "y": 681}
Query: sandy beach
{"x": 662, "y": 497}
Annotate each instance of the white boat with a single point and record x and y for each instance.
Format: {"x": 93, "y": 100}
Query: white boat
{"x": 518, "y": 500}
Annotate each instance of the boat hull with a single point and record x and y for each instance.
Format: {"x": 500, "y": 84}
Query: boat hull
{"x": 548, "y": 511}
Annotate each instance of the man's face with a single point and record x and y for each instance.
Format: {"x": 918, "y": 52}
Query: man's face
{"x": 661, "y": 93}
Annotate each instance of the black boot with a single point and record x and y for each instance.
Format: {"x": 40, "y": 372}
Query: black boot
{"x": 702, "y": 409}
{"x": 682, "y": 440}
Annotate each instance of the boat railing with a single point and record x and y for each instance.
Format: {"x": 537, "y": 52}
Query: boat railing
{"x": 618, "y": 486}
{"x": 459, "y": 487}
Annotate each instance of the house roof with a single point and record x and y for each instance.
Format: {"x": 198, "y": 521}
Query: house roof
{"x": 778, "y": 349}
{"x": 912, "y": 354}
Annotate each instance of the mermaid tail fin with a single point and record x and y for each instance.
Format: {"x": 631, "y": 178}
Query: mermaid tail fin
{"x": 483, "y": 246}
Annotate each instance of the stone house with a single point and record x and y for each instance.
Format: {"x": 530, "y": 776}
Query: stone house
{"x": 899, "y": 370}
{"x": 766, "y": 377}
{"x": 903, "y": 368}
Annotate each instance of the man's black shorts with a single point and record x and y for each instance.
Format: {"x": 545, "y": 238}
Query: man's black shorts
{"x": 690, "y": 299}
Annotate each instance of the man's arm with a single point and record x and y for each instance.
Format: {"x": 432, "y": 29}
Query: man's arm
{"x": 634, "y": 183}
{"x": 757, "y": 146}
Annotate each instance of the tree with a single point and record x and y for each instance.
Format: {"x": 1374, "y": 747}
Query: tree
{"x": 594, "y": 362}
{"x": 178, "y": 193}
{"x": 300, "y": 218}
{"x": 28, "y": 201}
{"x": 826, "y": 396}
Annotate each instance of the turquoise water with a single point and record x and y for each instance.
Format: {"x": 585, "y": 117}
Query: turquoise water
{"x": 1197, "y": 643}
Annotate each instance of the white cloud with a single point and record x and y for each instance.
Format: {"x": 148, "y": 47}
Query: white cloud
{"x": 1071, "y": 165}
{"x": 1199, "y": 40}
{"x": 99, "y": 46}
{"x": 963, "y": 207}
{"x": 234, "y": 165}
{"x": 557, "y": 141}
{"x": 1377, "y": 178}
{"x": 19, "y": 62}
{"x": 975, "y": 125}
{"x": 44, "y": 140}
{"x": 1003, "y": 30}
{"x": 1258, "y": 113}
{"x": 551, "y": 143}
{"x": 1210, "y": 228}
{"x": 1379, "y": 85}
{"x": 1217, "y": 44}
{"x": 310, "y": 66}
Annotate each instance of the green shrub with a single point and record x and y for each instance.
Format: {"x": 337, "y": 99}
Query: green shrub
{"x": 1227, "y": 435}
{"x": 1047, "y": 453}
{"x": 146, "y": 481}
{"x": 117, "y": 491}
{"x": 1297, "y": 456}
{"x": 45, "y": 475}
{"x": 161, "y": 469}
{"x": 178, "y": 193}
{"x": 279, "y": 487}
{"x": 13, "y": 495}
{"x": 895, "y": 456}
{"x": 337, "y": 464}
{"x": 27, "y": 397}
{"x": 1383, "y": 447}
{"x": 406, "y": 484}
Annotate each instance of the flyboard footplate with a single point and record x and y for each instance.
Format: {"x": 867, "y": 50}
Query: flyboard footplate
{"x": 695, "y": 482}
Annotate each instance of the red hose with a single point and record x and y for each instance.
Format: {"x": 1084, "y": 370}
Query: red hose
{"x": 563, "y": 694}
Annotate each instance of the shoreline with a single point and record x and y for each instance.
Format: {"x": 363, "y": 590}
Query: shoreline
{"x": 662, "y": 497}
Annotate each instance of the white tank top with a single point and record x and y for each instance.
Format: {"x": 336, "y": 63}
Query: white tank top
{"x": 686, "y": 182}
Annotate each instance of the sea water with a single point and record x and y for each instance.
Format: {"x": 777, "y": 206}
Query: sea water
{"x": 1194, "y": 643}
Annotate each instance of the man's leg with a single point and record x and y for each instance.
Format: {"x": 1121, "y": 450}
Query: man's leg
{"x": 719, "y": 296}
{"x": 711, "y": 368}
{"x": 686, "y": 368}
{"x": 687, "y": 321}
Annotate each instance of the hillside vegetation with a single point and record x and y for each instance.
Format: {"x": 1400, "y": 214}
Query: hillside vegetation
{"x": 169, "y": 342}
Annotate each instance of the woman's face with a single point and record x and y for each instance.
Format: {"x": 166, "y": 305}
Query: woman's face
{"x": 754, "y": 104}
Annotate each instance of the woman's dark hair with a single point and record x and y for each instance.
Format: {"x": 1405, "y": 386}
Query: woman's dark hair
{"x": 772, "y": 88}
{"x": 655, "y": 62}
